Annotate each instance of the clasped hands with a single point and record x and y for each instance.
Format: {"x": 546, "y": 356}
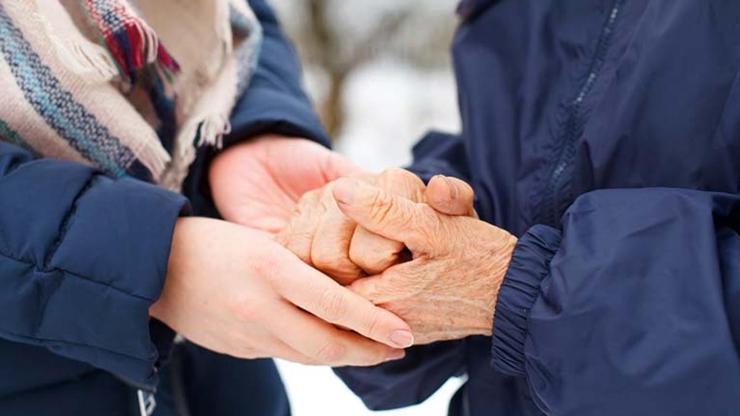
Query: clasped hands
{"x": 415, "y": 250}
{"x": 319, "y": 262}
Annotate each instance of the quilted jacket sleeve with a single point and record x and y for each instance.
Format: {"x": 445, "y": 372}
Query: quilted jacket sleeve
{"x": 82, "y": 257}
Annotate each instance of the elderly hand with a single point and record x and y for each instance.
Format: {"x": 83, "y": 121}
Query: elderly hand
{"x": 325, "y": 238}
{"x": 449, "y": 289}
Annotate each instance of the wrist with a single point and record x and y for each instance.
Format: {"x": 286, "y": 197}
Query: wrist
{"x": 174, "y": 264}
{"x": 498, "y": 262}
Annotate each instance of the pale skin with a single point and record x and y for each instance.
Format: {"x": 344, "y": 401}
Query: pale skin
{"x": 227, "y": 283}
{"x": 234, "y": 290}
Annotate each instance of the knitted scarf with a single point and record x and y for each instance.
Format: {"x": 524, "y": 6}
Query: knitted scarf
{"x": 129, "y": 87}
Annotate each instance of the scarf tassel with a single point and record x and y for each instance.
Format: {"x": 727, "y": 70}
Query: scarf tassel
{"x": 133, "y": 44}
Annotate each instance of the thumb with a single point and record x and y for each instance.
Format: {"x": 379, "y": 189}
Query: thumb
{"x": 392, "y": 217}
{"x": 450, "y": 196}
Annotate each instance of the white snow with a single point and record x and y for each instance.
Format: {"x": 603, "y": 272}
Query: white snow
{"x": 316, "y": 391}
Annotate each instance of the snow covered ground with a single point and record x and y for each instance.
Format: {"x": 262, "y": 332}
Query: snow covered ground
{"x": 389, "y": 106}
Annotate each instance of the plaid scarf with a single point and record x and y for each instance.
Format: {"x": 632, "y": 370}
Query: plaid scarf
{"x": 130, "y": 87}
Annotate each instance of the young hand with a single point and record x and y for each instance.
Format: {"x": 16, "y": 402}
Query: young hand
{"x": 236, "y": 291}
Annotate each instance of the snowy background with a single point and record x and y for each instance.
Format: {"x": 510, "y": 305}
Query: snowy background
{"x": 379, "y": 73}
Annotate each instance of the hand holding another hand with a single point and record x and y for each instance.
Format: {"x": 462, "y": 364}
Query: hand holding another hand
{"x": 322, "y": 236}
{"x": 236, "y": 291}
{"x": 449, "y": 288}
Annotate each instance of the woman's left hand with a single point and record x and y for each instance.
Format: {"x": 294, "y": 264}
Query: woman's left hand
{"x": 258, "y": 183}
{"x": 449, "y": 289}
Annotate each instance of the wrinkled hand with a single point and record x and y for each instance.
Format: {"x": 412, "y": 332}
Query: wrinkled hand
{"x": 323, "y": 237}
{"x": 449, "y": 289}
{"x": 236, "y": 291}
{"x": 258, "y": 183}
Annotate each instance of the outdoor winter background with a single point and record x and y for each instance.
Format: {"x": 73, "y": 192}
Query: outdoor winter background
{"x": 379, "y": 73}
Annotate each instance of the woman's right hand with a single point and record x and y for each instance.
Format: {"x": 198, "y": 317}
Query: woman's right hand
{"x": 236, "y": 291}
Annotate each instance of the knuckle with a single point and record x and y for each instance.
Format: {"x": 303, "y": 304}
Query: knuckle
{"x": 374, "y": 325}
{"x": 392, "y": 172}
{"x": 374, "y": 260}
{"x": 332, "y": 305}
{"x": 405, "y": 182}
{"x": 331, "y": 352}
{"x": 427, "y": 222}
{"x": 265, "y": 267}
{"x": 380, "y": 208}
{"x": 299, "y": 243}
{"x": 326, "y": 259}
{"x": 246, "y": 310}
{"x": 334, "y": 261}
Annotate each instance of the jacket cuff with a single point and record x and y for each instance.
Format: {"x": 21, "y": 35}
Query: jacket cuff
{"x": 530, "y": 264}
{"x": 99, "y": 312}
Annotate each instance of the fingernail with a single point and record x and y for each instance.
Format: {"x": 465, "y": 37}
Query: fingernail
{"x": 344, "y": 190}
{"x": 396, "y": 355}
{"x": 402, "y": 338}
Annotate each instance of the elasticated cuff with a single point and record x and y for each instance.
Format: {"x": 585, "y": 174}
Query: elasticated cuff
{"x": 530, "y": 264}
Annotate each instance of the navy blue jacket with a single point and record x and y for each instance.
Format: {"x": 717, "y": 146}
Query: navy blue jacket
{"x": 606, "y": 135}
{"x": 83, "y": 256}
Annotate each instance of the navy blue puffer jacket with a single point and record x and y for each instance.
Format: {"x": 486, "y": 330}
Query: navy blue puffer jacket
{"x": 606, "y": 135}
{"x": 82, "y": 257}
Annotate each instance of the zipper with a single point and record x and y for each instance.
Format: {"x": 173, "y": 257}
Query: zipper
{"x": 555, "y": 195}
{"x": 145, "y": 400}
{"x": 147, "y": 403}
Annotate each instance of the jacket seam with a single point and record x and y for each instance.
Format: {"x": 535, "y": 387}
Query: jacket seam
{"x": 73, "y": 274}
{"x": 67, "y": 221}
{"x": 78, "y": 344}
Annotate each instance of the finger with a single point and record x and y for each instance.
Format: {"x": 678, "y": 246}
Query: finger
{"x": 323, "y": 343}
{"x": 299, "y": 234}
{"x": 381, "y": 213}
{"x": 372, "y": 252}
{"x": 396, "y": 283}
{"x": 279, "y": 349}
{"x": 331, "y": 244}
{"x": 450, "y": 196}
{"x": 318, "y": 294}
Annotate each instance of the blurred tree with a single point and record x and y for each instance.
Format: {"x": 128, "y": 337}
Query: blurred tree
{"x": 335, "y": 37}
